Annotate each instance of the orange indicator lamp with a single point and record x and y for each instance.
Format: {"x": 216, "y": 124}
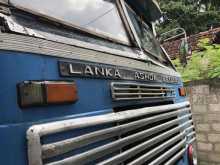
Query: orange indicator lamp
{"x": 39, "y": 93}
{"x": 182, "y": 91}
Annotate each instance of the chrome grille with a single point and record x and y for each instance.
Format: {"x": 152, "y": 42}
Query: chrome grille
{"x": 152, "y": 135}
{"x": 136, "y": 91}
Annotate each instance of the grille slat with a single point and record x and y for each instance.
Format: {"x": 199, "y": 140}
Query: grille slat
{"x": 190, "y": 128}
{"x": 110, "y": 147}
{"x": 129, "y": 137}
{"x": 54, "y": 149}
{"x": 136, "y": 91}
{"x": 143, "y": 94}
{"x": 176, "y": 157}
{"x": 157, "y": 150}
{"x": 137, "y": 98}
{"x": 129, "y": 153}
{"x": 169, "y": 153}
{"x": 143, "y": 89}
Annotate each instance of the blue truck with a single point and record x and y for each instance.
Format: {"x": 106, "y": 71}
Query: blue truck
{"x": 86, "y": 82}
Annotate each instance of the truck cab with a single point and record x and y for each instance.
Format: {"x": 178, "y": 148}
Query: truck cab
{"x": 86, "y": 82}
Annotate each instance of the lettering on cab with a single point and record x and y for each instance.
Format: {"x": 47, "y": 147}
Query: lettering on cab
{"x": 96, "y": 70}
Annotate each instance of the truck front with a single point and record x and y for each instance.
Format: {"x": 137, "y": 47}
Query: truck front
{"x": 86, "y": 82}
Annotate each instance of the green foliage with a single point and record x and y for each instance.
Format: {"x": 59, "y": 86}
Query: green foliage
{"x": 211, "y": 4}
{"x": 186, "y": 14}
{"x": 203, "y": 64}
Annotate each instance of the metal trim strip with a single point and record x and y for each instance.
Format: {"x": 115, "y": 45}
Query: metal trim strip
{"x": 55, "y": 127}
{"x": 135, "y": 84}
{"x": 142, "y": 89}
{"x": 136, "y": 98}
{"x": 28, "y": 44}
{"x": 130, "y": 94}
{"x": 130, "y": 24}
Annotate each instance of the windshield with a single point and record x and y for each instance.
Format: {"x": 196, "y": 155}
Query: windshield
{"x": 96, "y": 16}
{"x": 146, "y": 36}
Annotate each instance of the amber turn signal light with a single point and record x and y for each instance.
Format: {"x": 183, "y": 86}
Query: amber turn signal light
{"x": 61, "y": 93}
{"x": 182, "y": 91}
{"x": 39, "y": 93}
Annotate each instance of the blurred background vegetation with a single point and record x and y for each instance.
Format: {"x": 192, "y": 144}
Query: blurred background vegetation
{"x": 203, "y": 64}
{"x": 193, "y": 15}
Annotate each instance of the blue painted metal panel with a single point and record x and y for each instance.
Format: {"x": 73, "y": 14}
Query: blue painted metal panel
{"x": 15, "y": 67}
{"x": 94, "y": 94}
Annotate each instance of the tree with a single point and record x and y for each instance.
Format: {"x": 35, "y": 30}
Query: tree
{"x": 187, "y": 14}
{"x": 210, "y": 4}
